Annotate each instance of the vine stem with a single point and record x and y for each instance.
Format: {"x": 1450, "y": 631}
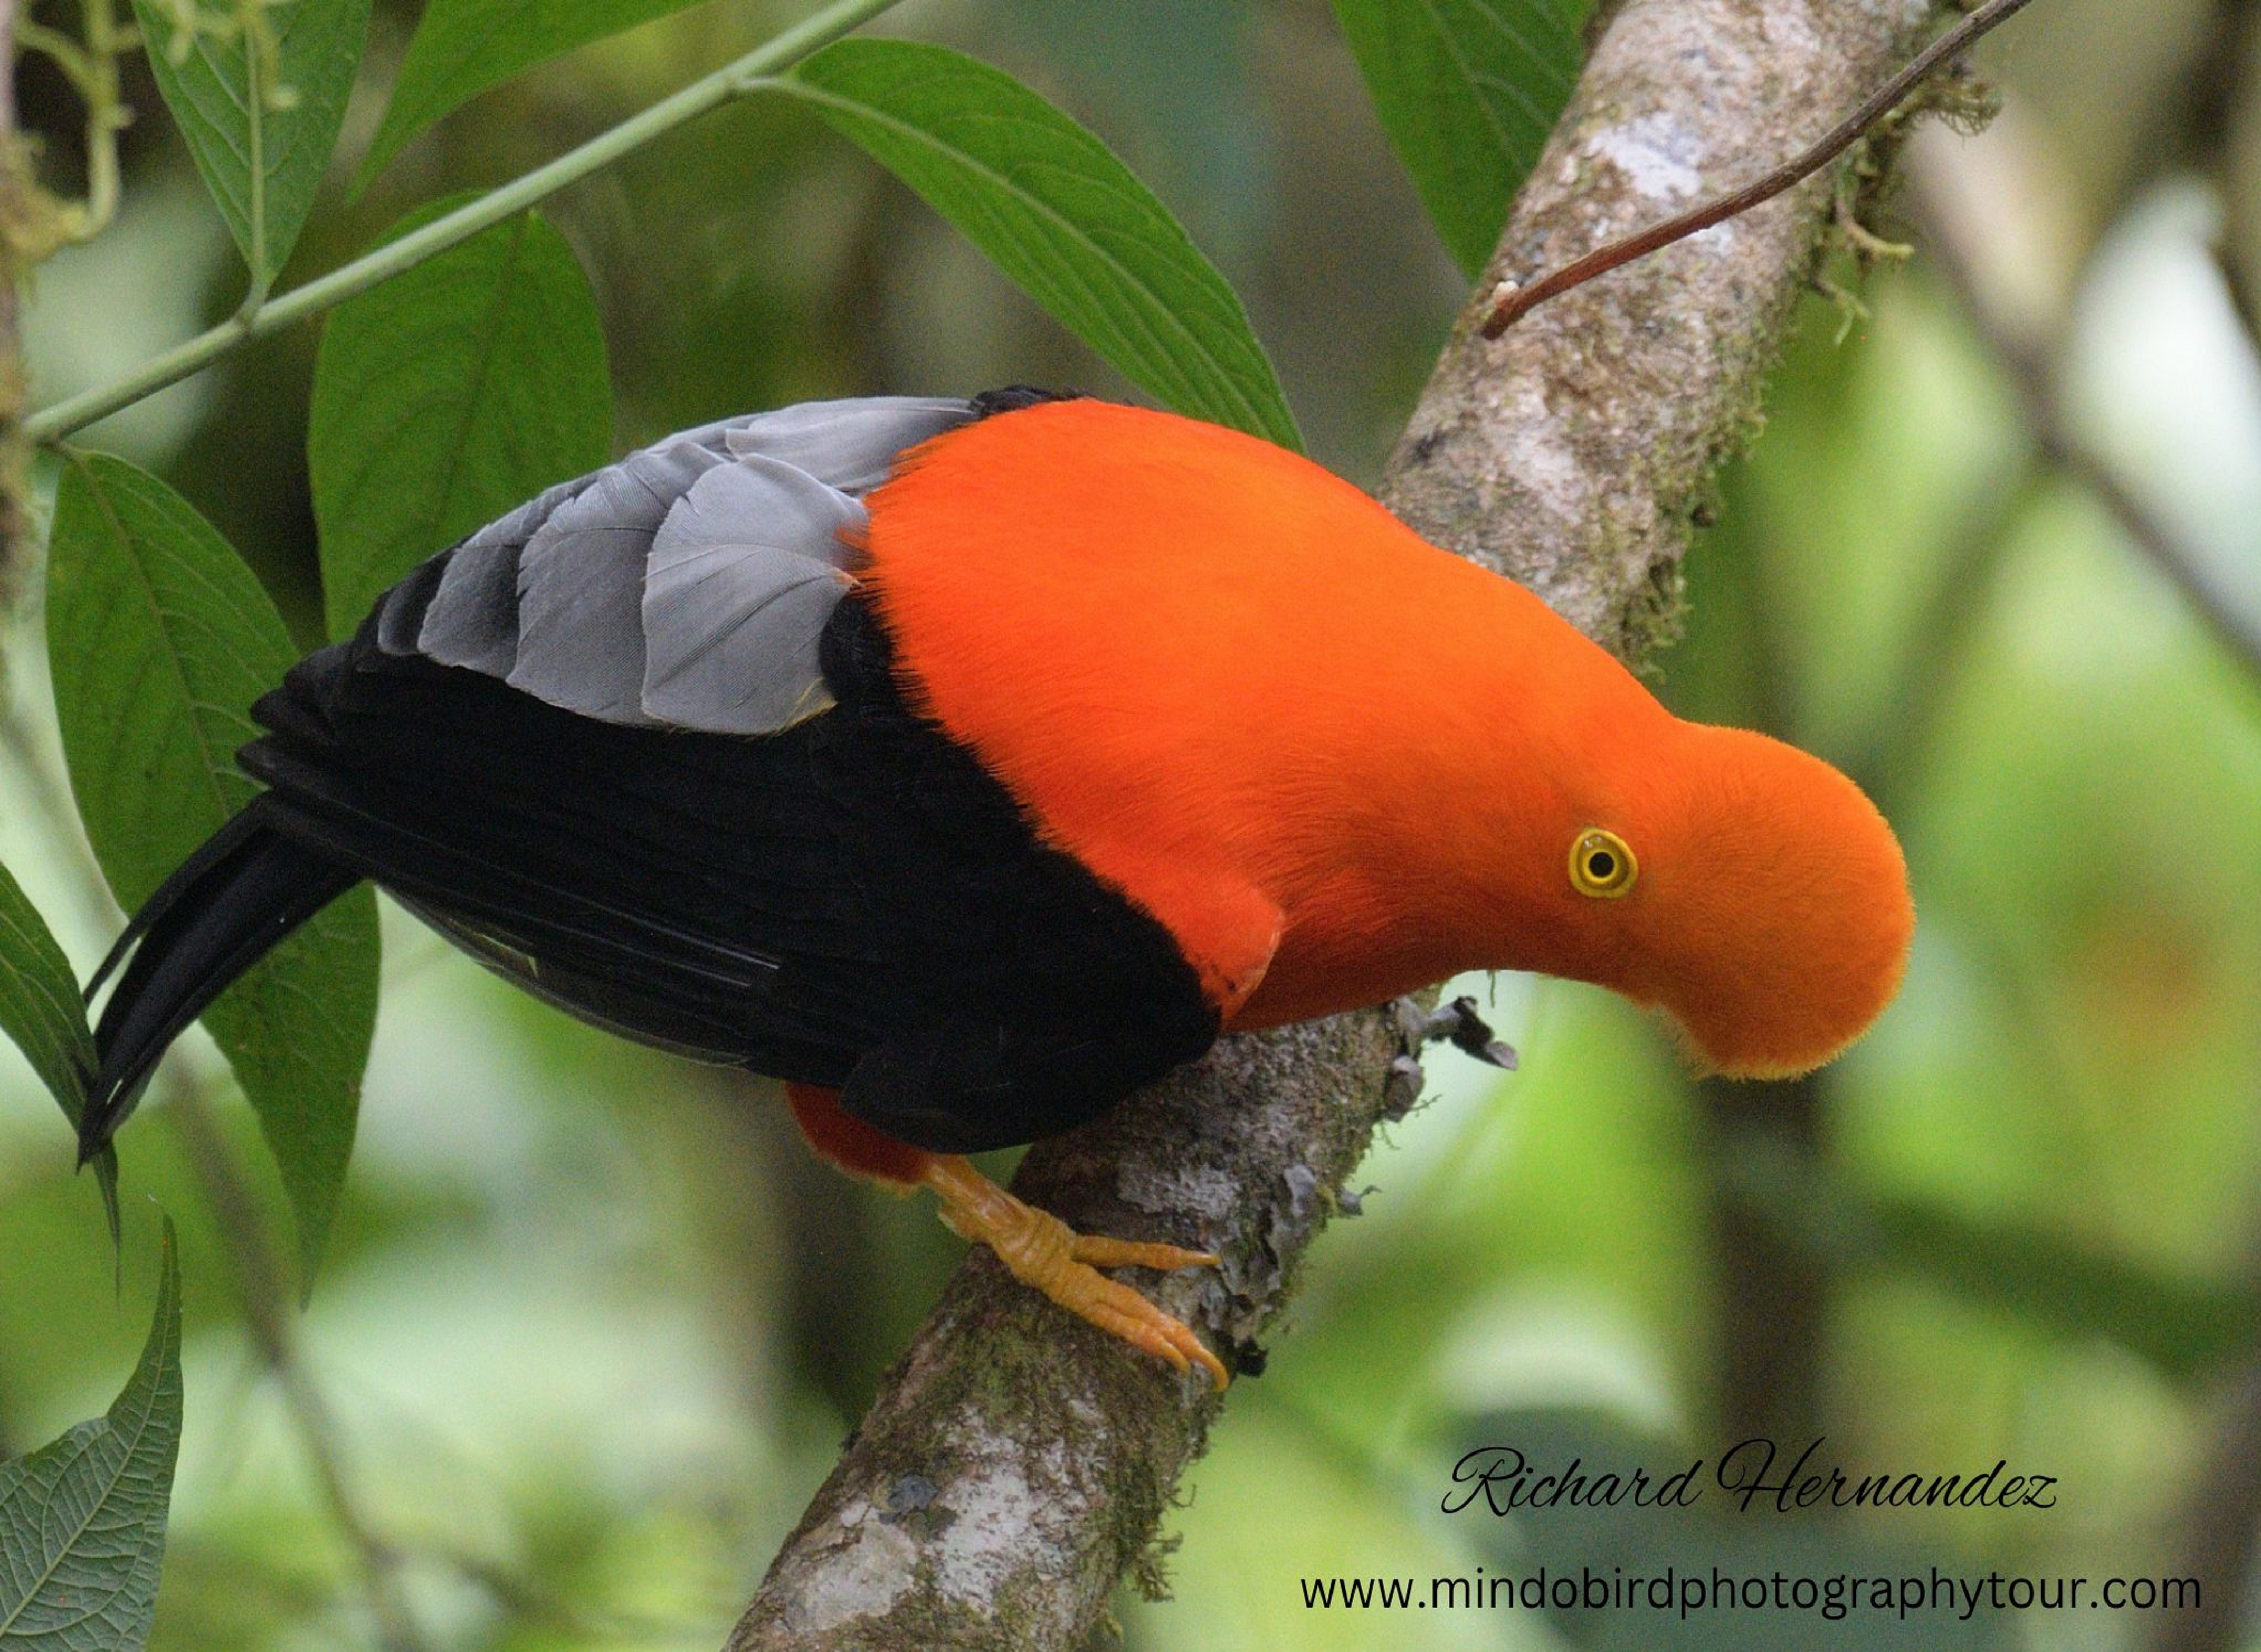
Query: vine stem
{"x": 734, "y": 80}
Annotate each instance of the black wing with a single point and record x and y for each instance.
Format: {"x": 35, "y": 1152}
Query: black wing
{"x": 637, "y": 746}
{"x": 851, "y": 901}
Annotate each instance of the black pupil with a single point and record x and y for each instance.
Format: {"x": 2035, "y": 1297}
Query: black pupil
{"x": 1600, "y": 865}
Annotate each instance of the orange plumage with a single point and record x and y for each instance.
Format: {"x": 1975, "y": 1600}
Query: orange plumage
{"x": 1339, "y": 764}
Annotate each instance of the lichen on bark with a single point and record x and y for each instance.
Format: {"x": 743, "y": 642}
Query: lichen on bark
{"x": 1573, "y": 454}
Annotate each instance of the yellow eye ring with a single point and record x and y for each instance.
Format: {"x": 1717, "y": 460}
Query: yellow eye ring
{"x": 1602, "y": 865}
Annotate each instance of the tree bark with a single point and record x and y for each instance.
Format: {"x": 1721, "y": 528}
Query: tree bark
{"x": 1017, "y": 1462}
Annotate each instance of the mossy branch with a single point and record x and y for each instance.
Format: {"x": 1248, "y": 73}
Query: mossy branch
{"x": 1017, "y": 1463}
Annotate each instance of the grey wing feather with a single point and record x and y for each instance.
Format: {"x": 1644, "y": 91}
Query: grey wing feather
{"x": 850, "y": 445}
{"x": 580, "y": 585}
{"x": 688, "y": 585}
{"x": 472, "y": 621}
{"x": 743, "y": 576}
{"x": 400, "y": 610}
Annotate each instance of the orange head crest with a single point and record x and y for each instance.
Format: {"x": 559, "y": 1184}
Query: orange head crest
{"x": 1748, "y": 890}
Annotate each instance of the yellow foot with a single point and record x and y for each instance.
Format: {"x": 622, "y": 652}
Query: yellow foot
{"x": 1043, "y": 1251}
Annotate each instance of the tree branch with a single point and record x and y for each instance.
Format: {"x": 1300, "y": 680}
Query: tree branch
{"x": 1017, "y": 1462}
{"x": 1514, "y": 300}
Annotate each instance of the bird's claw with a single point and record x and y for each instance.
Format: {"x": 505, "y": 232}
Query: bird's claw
{"x": 1115, "y": 1308}
{"x": 1044, "y": 1253}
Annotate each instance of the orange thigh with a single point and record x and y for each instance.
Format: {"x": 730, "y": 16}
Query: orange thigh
{"x": 851, "y": 1144}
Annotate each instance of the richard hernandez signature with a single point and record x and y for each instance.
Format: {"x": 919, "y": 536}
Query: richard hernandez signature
{"x": 1754, "y": 1474}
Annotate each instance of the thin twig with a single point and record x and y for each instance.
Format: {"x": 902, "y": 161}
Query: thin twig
{"x": 91, "y": 66}
{"x": 2028, "y": 356}
{"x": 1514, "y": 301}
{"x": 2224, "y": 61}
{"x": 267, "y": 1303}
{"x": 271, "y": 1315}
{"x": 66, "y": 53}
{"x": 106, "y": 116}
{"x": 2162, "y": 545}
{"x": 725, "y": 84}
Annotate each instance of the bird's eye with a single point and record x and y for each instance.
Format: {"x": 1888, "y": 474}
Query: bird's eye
{"x": 1601, "y": 865}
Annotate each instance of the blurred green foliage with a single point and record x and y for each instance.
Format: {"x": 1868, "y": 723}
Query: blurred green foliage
{"x": 593, "y": 1325}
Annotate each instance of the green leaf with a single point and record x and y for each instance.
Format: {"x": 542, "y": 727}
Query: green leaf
{"x": 40, "y": 1006}
{"x": 82, "y": 1520}
{"x": 262, "y": 156}
{"x": 463, "y": 47}
{"x": 42, "y": 1010}
{"x": 446, "y": 396}
{"x": 1469, "y": 90}
{"x": 1059, "y": 214}
{"x": 159, "y": 638}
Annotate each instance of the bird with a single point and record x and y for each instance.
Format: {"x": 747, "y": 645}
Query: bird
{"x": 968, "y": 762}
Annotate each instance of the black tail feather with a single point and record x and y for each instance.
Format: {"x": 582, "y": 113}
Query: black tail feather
{"x": 189, "y": 875}
{"x": 226, "y": 907}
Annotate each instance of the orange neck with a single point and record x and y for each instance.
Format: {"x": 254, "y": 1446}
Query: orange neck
{"x": 1245, "y": 674}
